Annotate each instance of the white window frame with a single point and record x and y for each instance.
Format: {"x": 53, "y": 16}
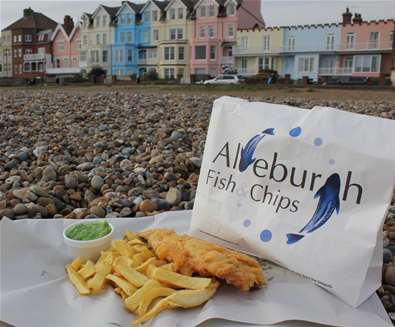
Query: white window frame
{"x": 202, "y": 31}
{"x": 266, "y": 42}
{"x": 231, "y": 31}
{"x": 291, "y": 43}
{"x": 211, "y": 10}
{"x": 155, "y": 34}
{"x": 172, "y": 13}
{"x": 330, "y": 41}
{"x": 350, "y": 37}
{"x": 361, "y": 62}
{"x": 202, "y": 11}
{"x": 180, "y": 13}
{"x": 306, "y": 64}
{"x": 210, "y": 31}
{"x": 244, "y": 42}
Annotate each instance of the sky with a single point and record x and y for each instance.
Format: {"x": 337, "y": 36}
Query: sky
{"x": 275, "y": 12}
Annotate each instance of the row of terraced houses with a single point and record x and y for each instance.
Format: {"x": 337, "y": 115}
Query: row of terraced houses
{"x": 194, "y": 39}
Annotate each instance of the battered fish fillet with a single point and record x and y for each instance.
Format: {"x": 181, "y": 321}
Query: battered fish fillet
{"x": 191, "y": 255}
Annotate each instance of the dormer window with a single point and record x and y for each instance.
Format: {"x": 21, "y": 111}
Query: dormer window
{"x": 180, "y": 13}
{"x": 97, "y": 21}
{"x": 231, "y": 10}
{"x": 202, "y": 11}
{"x": 104, "y": 20}
{"x": 129, "y": 19}
{"x": 154, "y": 15}
{"x": 211, "y": 10}
{"x": 146, "y": 16}
{"x": 172, "y": 13}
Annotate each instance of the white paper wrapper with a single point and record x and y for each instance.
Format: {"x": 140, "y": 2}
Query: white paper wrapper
{"x": 36, "y": 293}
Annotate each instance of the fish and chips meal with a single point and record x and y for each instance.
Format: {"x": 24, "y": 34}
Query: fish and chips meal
{"x": 157, "y": 269}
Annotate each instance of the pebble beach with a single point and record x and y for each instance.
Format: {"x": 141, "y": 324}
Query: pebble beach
{"x": 116, "y": 153}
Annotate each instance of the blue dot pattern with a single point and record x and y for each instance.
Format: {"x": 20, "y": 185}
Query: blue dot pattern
{"x": 266, "y": 235}
{"x": 295, "y": 132}
{"x": 246, "y": 222}
{"x": 318, "y": 141}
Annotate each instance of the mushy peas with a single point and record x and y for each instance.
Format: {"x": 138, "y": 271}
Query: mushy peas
{"x": 88, "y": 231}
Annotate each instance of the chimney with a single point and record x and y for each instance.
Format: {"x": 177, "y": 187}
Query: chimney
{"x": 347, "y": 16}
{"x": 27, "y": 12}
{"x": 68, "y": 24}
{"x": 357, "y": 19}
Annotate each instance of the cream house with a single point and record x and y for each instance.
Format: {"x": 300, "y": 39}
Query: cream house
{"x": 5, "y": 54}
{"x": 97, "y": 35}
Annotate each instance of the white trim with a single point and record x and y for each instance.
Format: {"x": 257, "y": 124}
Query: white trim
{"x": 197, "y": 4}
{"x": 171, "y": 3}
{"x": 58, "y": 28}
{"x": 77, "y": 26}
{"x": 227, "y": 2}
{"x": 125, "y": 4}
{"x": 146, "y": 5}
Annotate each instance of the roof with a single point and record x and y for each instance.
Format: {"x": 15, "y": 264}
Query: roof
{"x": 35, "y": 20}
{"x": 111, "y": 10}
{"x": 161, "y": 4}
{"x": 250, "y": 15}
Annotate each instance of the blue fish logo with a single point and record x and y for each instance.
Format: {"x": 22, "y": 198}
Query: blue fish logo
{"x": 328, "y": 202}
{"x": 247, "y": 152}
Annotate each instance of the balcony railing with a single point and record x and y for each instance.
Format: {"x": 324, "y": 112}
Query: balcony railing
{"x": 227, "y": 60}
{"x": 250, "y": 51}
{"x": 37, "y": 57}
{"x": 372, "y": 45}
{"x": 338, "y": 71}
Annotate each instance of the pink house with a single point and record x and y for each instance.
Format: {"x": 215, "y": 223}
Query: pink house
{"x": 214, "y": 36}
{"x": 66, "y": 41}
{"x": 366, "y": 46}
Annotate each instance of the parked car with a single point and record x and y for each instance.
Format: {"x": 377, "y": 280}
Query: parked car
{"x": 349, "y": 80}
{"x": 224, "y": 79}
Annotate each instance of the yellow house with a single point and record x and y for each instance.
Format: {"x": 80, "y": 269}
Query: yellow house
{"x": 5, "y": 54}
{"x": 174, "y": 31}
{"x": 258, "y": 49}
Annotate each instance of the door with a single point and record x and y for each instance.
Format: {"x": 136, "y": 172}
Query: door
{"x": 348, "y": 62}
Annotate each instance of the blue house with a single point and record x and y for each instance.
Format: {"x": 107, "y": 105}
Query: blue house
{"x": 144, "y": 38}
{"x": 125, "y": 54}
{"x": 310, "y": 50}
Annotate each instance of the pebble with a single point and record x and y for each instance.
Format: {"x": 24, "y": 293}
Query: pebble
{"x": 147, "y": 205}
{"x": 70, "y": 181}
{"x": 97, "y": 211}
{"x": 173, "y": 196}
{"x": 20, "y": 209}
{"x": 49, "y": 174}
{"x": 389, "y": 276}
{"x": 97, "y": 182}
{"x": 7, "y": 213}
{"x": 126, "y": 165}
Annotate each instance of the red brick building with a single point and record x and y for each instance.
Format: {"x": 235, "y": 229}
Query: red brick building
{"x": 31, "y": 44}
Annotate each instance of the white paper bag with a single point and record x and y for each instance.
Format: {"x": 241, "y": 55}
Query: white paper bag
{"x": 306, "y": 189}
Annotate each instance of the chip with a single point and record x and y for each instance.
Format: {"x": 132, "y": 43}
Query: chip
{"x": 87, "y": 270}
{"x": 130, "y": 274}
{"x": 123, "y": 284}
{"x": 77, "y": 280}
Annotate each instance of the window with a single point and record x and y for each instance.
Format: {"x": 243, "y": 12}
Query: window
{"x": 121, "y": 20}
{"x": 152, "y": 53}
{"x": 169, "y": 73}
{"x": 172, "y": 13}
{"x": 180, "y": 33}
{"x": 330, "y": 42}
{"x": 180, "y": 73}
{"x": 97, "y": 38}
{"x": 27, "y": 67}
{"x": 373, "y": 40}
{"x": 210, "y": 31}
{"x": 66, "y": 62}
{"x": 14, "y": 39}
{"x": 231, "y": 10}
{"x": 60, "y": 45}
{"x": 291, "y": 43}
{"x": 78, "y": 44}
{"x": 266, "y": 42}
{"x": 129, "y": 19}
{"x": 244, "y": 64}
{"x": 202, "y": 31}
{"x": 231, "y": 31}
{"x": 154, "y": 15}
{"x": 104, "y": 20}
{"x": 169, "y": 53}
{"x": 130, "y": 55}
{"x": 306, "y": 64}
{"x": 19, "y": 38}
{"x": 104, "y": 55}
{"x": 142, "y": 54}
{"x": 173, "y": 34}
{"x": 28, "y": 51}
{"x": 145, "y": 36}
{"x": 367, "y": 63}
{"x": 180, "y": 13}
{"x": 181, "y": 53}
{"x": 104, "y": 36}
{"x": 85, "y": 40}
{"x": 122, "y": 36}
{"x": 155, "y": 35}
{"x": 147, "y": 16}
{"x": 20, "y": 53}
{"x": 94, "y": 56}
{"x": 202, "y": 11}
{"x": 20, "y": 68}
{"x": 211, "y": 10}
{"x": 212, "y": 51}
{"x": 83, "y": 56}
{"x": 15, "y": 53}
{"x": 28, "y": 38}
{"x": 97, "y": 21}
{"x": 200, "y": 52}
{"x": 350, "y": 40}
{"x": 244, "y": 42}
{"x": 129, "y": 36}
